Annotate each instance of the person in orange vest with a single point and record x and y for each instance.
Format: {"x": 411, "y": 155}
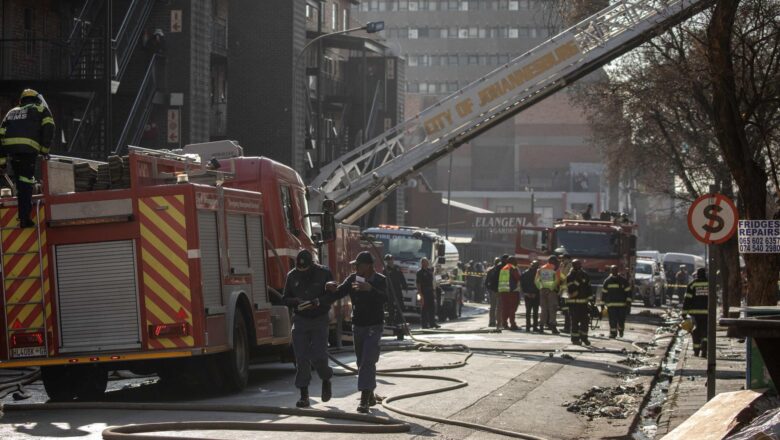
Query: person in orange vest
{"x": 508, "y": 283}
{"x": 549, "y": 281}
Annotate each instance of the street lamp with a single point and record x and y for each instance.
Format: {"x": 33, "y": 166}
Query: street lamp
{"x": 370, "y": 27}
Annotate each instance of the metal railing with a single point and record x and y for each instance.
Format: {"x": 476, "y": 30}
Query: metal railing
{"x": 141, "y": 108}
{"x": 129, "y": 33}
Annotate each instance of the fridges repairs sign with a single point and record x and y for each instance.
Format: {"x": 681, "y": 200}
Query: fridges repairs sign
{"x": 759, "y": 236}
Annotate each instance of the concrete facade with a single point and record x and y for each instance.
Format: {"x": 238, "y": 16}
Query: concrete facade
{"x": 448, "y": 44}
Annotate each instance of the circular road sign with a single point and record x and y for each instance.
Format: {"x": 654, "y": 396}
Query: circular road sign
{"x": 712, "y": 218}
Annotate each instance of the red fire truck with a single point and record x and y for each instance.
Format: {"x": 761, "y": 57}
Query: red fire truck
{"x": 178, "y": 271}
{"x": 599, "y": 244}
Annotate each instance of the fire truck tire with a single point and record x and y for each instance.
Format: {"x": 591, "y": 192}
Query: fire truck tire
{"x": 235, "y": 363}
{"x": 59, "y": 383}
{"x": 65, "y": 383}
{"x": 92, "y": 383}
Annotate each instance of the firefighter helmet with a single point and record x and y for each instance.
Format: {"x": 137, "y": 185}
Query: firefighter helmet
{"x": 29, "y": 93}
{"x": 687, "y": 324}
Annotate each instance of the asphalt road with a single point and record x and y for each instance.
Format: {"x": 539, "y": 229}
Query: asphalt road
{"x": 524, "y": 390}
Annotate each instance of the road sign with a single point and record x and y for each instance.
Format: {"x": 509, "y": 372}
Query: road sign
{"x": 712, "y": 218}
{"x": 759, "y": 236}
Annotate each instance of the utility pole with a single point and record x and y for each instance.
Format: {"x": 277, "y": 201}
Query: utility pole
{"x": 449, "y": 198}
{"x": 712, "y": 309}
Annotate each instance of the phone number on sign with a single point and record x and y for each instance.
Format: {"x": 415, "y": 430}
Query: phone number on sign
{"x": 759, "y": 245}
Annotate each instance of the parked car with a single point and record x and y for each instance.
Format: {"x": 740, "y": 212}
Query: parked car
{"x": 648, "y": 282}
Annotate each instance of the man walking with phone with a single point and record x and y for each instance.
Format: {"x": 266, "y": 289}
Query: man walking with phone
{"x": 368, "y": 291}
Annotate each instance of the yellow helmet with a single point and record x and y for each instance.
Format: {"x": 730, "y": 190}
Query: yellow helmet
{"x": 687, "y": 324}
{"x": 29, "y": 93}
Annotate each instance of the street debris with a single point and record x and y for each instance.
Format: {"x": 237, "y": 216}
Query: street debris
{"x": 633, "y": 361}
{"x": 610, "y": 402}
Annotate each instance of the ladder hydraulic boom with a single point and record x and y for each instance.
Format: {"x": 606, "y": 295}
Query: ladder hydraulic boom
{"x": 362, "y": 178}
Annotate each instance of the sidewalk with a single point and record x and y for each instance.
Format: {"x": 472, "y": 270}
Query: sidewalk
{"x": 688, "y": 390}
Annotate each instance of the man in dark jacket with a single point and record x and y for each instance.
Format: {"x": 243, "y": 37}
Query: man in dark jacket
{"x": 398, "y": 285}
{"x": 304, "y": 292}
{"x": 696, "y": 303}
{"x": 580, "y": 294}
{"x": 491, "y": 284}
{"x": 26, "y": 132}
{"x": 530, "y": 296}
{"x": 617, "y": 298}
{"x": 368, "y": 291}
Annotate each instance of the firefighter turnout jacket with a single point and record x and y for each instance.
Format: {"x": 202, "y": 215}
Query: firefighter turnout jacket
{"x": 617, "y": 292}
{"x": 27, "y": 129}
{"x": 696, "y": 297}
{"x": 578, "y": 283}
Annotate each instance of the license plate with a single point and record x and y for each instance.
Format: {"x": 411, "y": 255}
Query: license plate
{"x": 28, "y": 352}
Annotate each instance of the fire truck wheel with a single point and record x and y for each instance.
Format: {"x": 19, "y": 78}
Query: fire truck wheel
{"x": 235, "y": 363}
{"x": 59, "y": 383}
{"x": 92, "y": 383}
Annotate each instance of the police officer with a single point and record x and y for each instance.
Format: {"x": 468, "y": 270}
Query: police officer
{"x": 427, "y": 290}
{"x": 304, "y": 292}
{"x": 695, "y": 304}
{"x": 578, "y": 284}
{"x": 26, "y": 132}
{"x": 398, "y": 285}
{"x": 548, "y": 280}
{"x": 617, "y": 298}
{"x": 368, "y": 291}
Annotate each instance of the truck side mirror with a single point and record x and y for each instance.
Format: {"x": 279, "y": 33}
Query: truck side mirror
{"x": 441, "y": 260}
{"x": 440, "y": 249}
{"x": 328, "y": 227}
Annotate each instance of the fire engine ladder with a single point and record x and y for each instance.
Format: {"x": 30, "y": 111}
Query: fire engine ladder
{"x": 16, "y": 275}
{"x": 362, "y": 178}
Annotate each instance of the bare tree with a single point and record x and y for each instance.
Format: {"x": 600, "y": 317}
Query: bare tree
{"x": 700, "y": 102}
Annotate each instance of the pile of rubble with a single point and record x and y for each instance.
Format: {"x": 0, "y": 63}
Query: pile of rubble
{"x": 633, "y": 360}
{"x": 609, "y": 402}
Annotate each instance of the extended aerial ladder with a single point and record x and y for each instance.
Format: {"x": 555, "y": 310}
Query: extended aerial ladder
{"x": 362, "y": 178}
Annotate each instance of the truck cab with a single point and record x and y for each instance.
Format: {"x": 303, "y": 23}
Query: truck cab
{"x": 408, "y": 245}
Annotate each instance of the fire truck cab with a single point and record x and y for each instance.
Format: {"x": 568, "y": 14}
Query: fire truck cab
{"x": 174, "y": 269}
{"x": 599, "y": 244}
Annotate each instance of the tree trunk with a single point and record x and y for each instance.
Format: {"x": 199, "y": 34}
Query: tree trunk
{"x": 730, "y": 276}
{"x": 729, "y": 127}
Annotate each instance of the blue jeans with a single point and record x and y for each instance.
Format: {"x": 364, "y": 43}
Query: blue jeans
{"x": 367, "y": 353}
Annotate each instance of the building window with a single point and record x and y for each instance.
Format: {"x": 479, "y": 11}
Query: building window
{"x": 403, "y": 5}
{"x": 414, "y": 5}
{"x": 514, "y": 33}
{"x": 514, "y": 5}
{"x": 334, "y": 17}
{"x": 29, "y": 31}
{"x": 345, "y": 19}
{"x": 413, "y": 33}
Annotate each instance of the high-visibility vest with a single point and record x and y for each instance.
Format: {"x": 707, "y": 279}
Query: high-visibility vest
{"x": 504, "y": 277}
{"x": 696, "y": 296}
{"x": 548, "y": 277}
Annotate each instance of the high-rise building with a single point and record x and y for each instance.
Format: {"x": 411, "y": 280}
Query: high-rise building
{"x": 543, "y": 154}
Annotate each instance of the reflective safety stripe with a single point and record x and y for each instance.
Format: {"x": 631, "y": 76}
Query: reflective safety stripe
{"x": 2, "y": 130}
{"x": 503, "y": 281}
{"x": 47, "y": 120}
{"x": 700, "y": 284}
{"x": 688, "y": 295}
{"x": 611, "y": 286}
{"x": 27, "y": 180}
{"x": 696, "y": 345}
{"x": 3, "y": 160}
{"x": 627, "y": 289}
{"x": 696, "y": 311}
{"x": 578, "y": 301}
{"x": 22, "y": 141}
{"x": 615, "y": 304}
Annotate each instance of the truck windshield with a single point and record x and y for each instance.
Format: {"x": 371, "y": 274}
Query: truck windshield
{"x": 587, "y": 243}
{"x": 304, "y": 208}
{"x": 644, "y": 268}
{"x": 406, "y": 248}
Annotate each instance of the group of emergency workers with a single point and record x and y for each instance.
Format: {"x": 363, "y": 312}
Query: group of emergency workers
{"x": 560, "y": 282}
